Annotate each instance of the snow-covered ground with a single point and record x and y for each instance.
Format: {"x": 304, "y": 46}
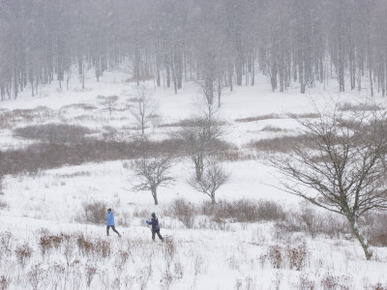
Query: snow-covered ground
{"x": 229, "y": 256}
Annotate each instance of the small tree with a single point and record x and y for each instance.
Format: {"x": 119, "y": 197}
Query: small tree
{"x": 153, "y": 172}
{"x": 199, "y": 139}
{"x": 109, "y": 102}
{"x": 145, "y": 108}
{"x": 343, "y": 163}
{"x": 212, "y": 179}
{"x": 200, "y": 136}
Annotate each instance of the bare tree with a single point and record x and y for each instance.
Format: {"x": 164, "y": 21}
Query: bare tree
{"x": 212, "y": 178}
{"x": 199, "y": 138}
{"x": 341, "y": 167}
{"x": 145, "y": 109}
{"x": 153, "y": 172}
{"x": 109, "y": 102}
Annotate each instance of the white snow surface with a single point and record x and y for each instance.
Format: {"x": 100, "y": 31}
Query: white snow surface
{"x": 229, "y": 257}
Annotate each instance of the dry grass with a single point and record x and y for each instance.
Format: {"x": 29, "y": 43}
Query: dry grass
{"x": 243, "y": 211}
{"x": 305, "y": 116}
{"x": 270, "y": 128}
{"x": 374, "y": 224}
{"x": 260, "y": 118}
{"x": 3, "y": 204}
{"x": 358, "y": 107}
{"x": 9, "y": 119}
{"x": 54, "y": 133}
{"x": 312, "y": 223}
{"x": 53, "y": 155}
{"x": 279, "y": 144}
{"x": 82, "y": 106}
{"x": 277, "y": 116}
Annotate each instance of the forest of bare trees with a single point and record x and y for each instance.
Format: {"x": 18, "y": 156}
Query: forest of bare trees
{"x": 220, "y": 43}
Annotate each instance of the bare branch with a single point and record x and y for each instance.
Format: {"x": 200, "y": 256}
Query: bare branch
{"x": 341, "y": 166}
{"x": 152, "y": 172}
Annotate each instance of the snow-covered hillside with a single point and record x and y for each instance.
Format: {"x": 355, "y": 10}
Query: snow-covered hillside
{"x": 46, "y": 242}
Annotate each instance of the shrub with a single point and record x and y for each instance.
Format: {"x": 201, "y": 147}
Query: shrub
{"x": 259, "y": 118}
{"x": 329, "y": 281}
{"x": 243, "y": 211}
{"x": 270, "y": 211}
{"x": 23, "y": 253}
{"x": 85, "y": 246}
{"x": 49, "y": 155}
{"x": 274, "y": 255}
{"x": 4, "y": 282}
{"x": 308, "y": 221}
{"x": 375, "y": 228}
{"x": 94, "y": 212}
{"x": 184, "y": 212}
{"x": 5, "y": 242}
{"x": 54, "y": 133}
{"x": 102, "y": 248}
{"x": 279, "y": 144}
{"x": 297, "y": 255}
{"x": 38, "y": 114}
{"x": 270, "y": 128}
{"x": 48, "y": 241}
{"x": 358, "y": 107}
{"x": 277, "y": 116}
{"x": 3, "y": 204}
{"x": 36, "y": 276}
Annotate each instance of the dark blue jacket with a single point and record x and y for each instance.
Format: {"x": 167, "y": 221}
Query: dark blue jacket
{"x": 155, "y": 224}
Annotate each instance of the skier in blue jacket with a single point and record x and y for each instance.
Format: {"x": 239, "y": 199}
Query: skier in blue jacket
{"x": 110, "y": 222}
{"x": 155, "y": 227}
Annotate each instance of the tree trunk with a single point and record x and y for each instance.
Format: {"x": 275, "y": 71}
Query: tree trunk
{"x": 154, "y": 194}
{"x": 213, "y": 201}
{"x": 198, "y": 167}
{"x": 363, "y": 241}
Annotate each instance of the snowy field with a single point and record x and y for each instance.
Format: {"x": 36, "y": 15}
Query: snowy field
{"x": 45, "y": 243}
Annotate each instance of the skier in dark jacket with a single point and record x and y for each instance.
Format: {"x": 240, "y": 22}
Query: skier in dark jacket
{"x": 110, "y": 222}
{"x": 155, "y": 227}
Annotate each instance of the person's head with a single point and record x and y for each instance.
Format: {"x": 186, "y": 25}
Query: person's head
{"x": 109, "y": 209}
{"x": 153, "y": 214}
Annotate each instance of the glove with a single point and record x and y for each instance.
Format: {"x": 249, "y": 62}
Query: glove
{"x": 148, "y": 222}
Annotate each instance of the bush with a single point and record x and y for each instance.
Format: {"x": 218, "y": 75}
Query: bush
{"x": 259, "y": 118}
{"x": 5, "y": 242}
{"x": 54, "y": 133}
{"x": 308, "y": 221}
{"x": 94, "y": 213}
{"x": 279, "y": 144}
{"x": 358, "y": 107}
{"x": 184, "y": 212}
{"x": 45, "y": 156}
{"x": 23, "y": 253}
{"x": 275, "y": 256}
{"x": 297, "y": 255}
{"x": 3, "y": 204}
{"x": 9, "y": 118}
{"x": 293, "y": 256}
{"x": 49, "y": 241}
{"x": 243, "y": 211}
{"x": 85, "y": 246}
{"x": 375, "y": 228}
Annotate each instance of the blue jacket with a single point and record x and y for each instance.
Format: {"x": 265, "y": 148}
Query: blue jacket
{"x": 110, "y": 218}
